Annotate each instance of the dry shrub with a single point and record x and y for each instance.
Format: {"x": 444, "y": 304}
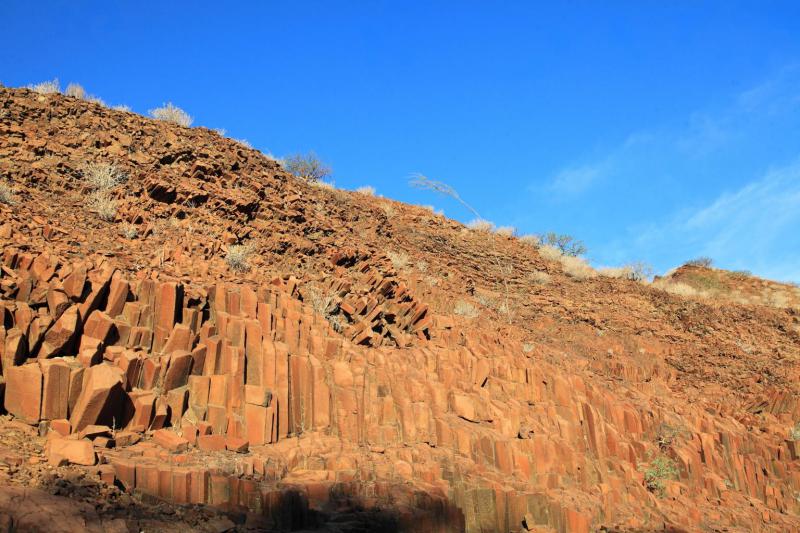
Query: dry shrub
{"x": 75, "y": 90}
{"x": 129, "y": 231}
{"x": 243, "y": 142}
{"x": 105, "y": 206}
{"x": 103, "y": 176}
{"x": 550, "y": 252}
{"x": 623, "y": 272}
{"x": 539, "y": 277}
{"x": 567, "y": 244}
{"x": 480, "y": 224}
{"x": 530, "y": 240}
{"x": 307, "y": 166}
{"x": 676, "y": 287}
{"x": 462, "y": 308}
{"x": 634, "y": 271}
{"x": 328, "y": 185}
{"x": 705, "y": 262}
{"x": 173, "y": 114}
{"x": 367, "y": 190}
{"x": 122, "y": 107}
{"x": 399, "y": 260}
{"x": 281, "y": 162}
{"x": 46, "y": 87}
{"x": 776, "y": 299}
{"x": 238, "y": 257}
{"x": 577, "y": 267}
{"x": 7, "y": 195}
{"x": 506, "y": 231}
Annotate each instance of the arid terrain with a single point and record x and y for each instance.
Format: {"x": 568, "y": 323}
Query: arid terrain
{"x": 207, "y": 342}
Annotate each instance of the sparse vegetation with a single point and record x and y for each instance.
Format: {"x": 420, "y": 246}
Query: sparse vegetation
{"x": 173, "y": 114}
{"x": 122, "y": 107}
{"x": 329, "y": 185}
{"x": 238, "y": 257}
{"x": 530, "y": 240}
{"x": 662, "y": 469}
{"x": 567, "y": 244}
{"x": 399, "y": 259}
{"x": 633, "y": 271}
{"x": 75, "y": 90}
{"x": 577, "y": 267}
{"x": 367, "y": 190}
{"x": 465, "y": 309}
{"x": 103, "y": 176}
{"x": 307, "y": 166}
{"x": 666, "y": 435}
{"x": 741, "y": 274}
{"x": 324, "y": 303}
{"x": 794, "y": 433}
{"x": 105, "y": 206}
{"x": 539, "y": 277}
{"x": 506, "y": 231}
{"x": 7, "y": 195}
{"x": 46, "y": 87}
{"x": 705, "y": 262}
{"x": 129, "y": 231}
{"x": 550, "y": 252}
{"x": 480, "y": 224}
{"x": 677, "y": 288}
{"x": 243, "y": 142}
{"x": 280, "y": 161}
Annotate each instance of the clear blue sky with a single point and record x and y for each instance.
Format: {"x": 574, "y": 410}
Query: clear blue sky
{"x": 655, "y": 131}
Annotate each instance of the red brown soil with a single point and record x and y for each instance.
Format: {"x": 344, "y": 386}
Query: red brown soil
{"x": 389, "y": 409}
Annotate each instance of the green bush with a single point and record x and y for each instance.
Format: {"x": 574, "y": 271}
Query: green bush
{"x": 661, "y": 469}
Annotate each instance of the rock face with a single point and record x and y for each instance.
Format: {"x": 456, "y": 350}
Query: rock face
{"x": 330, "y": 376}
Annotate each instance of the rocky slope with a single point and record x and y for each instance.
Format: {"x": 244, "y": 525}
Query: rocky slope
{"x": 375, "y": 367}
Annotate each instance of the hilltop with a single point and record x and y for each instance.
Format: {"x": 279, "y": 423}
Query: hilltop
{"x": 299, "y": 356}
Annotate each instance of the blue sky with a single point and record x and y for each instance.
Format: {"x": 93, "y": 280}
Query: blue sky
{"x": 654, "y": 131}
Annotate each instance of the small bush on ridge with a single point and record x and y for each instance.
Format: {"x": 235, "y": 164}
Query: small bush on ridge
{"x": 173, "y": 114}
{"x": 307, "y": 166}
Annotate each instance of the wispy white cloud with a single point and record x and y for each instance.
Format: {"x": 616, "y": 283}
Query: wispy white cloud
{"x": 756, "y": 227}
{"x": 574, "y": 180}
{"x": 701, "y": 186}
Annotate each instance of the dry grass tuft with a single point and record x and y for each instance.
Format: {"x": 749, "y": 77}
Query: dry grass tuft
{"x": 105, "y": 206}
{"x": 328, "y": 185}
{"x": 399, "y": 260}
{"x": 480, "y": 224}
{"x": 238, "y": 257}
{"x": 462, "y": 308}
{"x": 367, "y": 190}
{"x": 75, "y": 90}
{"x": 122, "y": 107}
{"x": 46, "y": 87}
{"x": 103, "y": 176}
{"x": 677, "y": 288}
{"x": 539, "y": 277}
{"x": 173, "y": 114}
{"x": 129, "y": 231}
{"x": 7, "y": 195}
{"x": 577, "y": 267}
{"x": 506, "y": 231}
{"x": 550, "y": 252}
{"x": 530, "y": 240}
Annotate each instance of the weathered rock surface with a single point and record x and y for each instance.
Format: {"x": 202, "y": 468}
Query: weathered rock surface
{"x": 330, "y": 378}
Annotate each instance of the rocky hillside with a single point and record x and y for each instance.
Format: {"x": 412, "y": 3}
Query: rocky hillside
{"x": 207, "y": 342}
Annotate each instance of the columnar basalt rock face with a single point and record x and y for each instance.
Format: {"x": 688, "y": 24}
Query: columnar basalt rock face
{"x": 328, "y": 378}
{"x": 469, "y": 418}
